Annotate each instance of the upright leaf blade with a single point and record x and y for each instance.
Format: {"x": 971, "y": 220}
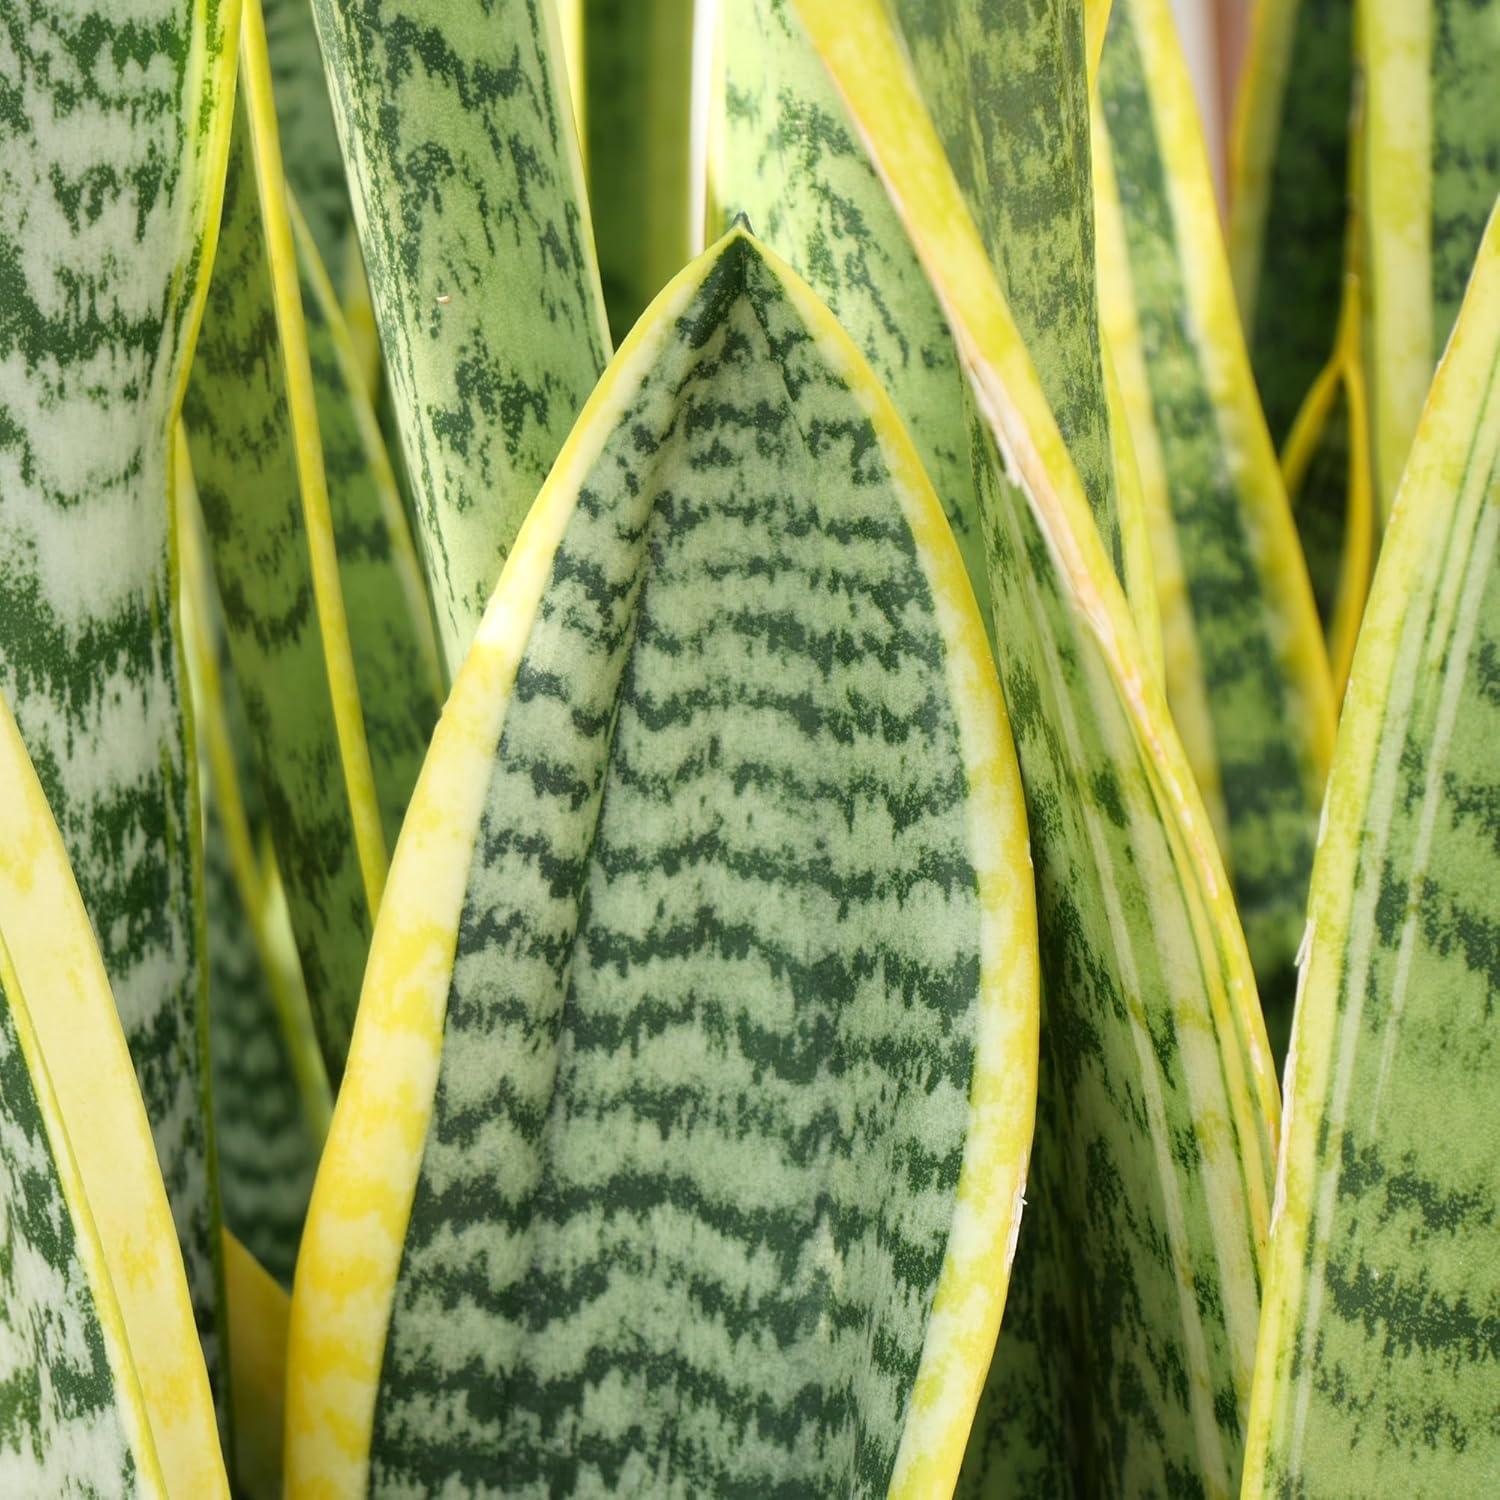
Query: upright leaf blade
{"x": 1251, "y": 676}
{"x": 1430, "y": 158}
{"x": 464, "y": 168}
{"x": 713, "y": 908}
{"x": 112, "y": 148}
{"x": 1149, "y": 1197}
{"x": 1378, "y": 1349}
{"x": 55, "y": 965}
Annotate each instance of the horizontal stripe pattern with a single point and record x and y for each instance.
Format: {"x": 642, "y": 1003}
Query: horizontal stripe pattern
{"x": 703, "y": 1099}
{"x": 111, "y": 146}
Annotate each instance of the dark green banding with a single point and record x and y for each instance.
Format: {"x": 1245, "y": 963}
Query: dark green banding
{"x": 703, "y": 1098}
{"x": 786, "y": 156}
{"x": 1006, "y": 84}
{"x": 62, "y": 1430}
{"x": 1264, "y": 725}
{"x": 109, "y": 146}
{"x": 463, "y": 167}
{"x": 1465, "y": 148}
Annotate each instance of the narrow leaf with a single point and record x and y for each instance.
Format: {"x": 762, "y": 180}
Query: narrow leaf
{"x": 1247, "y": 675}
{"x": 258, "y": 1311}
{"x": 1377, "y": 1362}
{"x": 56, "y": 976}
{"x": 1148, "y": 1205}
{"x": 467, "y": 183}
{"x": 328, "y": 634}
{"x": 1431, "y": 165}
{"x": 712, "y": 917}
{"x": 639, "y": 71}
{"x": 112, "y": 145}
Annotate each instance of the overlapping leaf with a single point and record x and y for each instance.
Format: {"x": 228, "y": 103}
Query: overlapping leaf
{"x": 277, "y": 420}
{"x": 1377, "y": 1365}
{"x": 1126, "y": 1358}
{"x": 101, "y": 1369}
{"x": 464, "y": 170}
{"x": 1247, "y": 676}
{"x": 687, "y": 1113}
{"x": 112, "y": 145}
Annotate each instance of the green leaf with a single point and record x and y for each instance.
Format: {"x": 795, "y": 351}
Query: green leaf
{"x": 1135, "y": 1287}
{"x": 112, "y": 143}
{"x": 686, "y": 1119}
{"x": 464, "y": 170}
{"x": 1431, "y": 167}
{"x": 1294, "y": 248}
{"x": 784, "y": 155}
{"x": 1247, "y": 676}
{"x": 270, "y": 1090}
{"x": 280, "y": 429}
{"x": 1377, "y": 1362}
{"x": 638, "y": 66}
{"x": 102, "y": 1352}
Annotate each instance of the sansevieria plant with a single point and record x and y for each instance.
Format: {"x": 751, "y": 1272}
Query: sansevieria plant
{"x": 696, "y": 700}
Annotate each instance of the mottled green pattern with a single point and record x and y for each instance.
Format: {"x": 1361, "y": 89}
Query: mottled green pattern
{"x": 1264, "y": 726}
{"x": 787, "y": 157}
{"x": 464, "y": 171}
{"x": 239, "y": 430}
{"x": 1320, "y": 505}
{"x": 309, "y": 141}
{"x": 1465, "y": 147}
{"x": 1006, "y": 85}
{"x": 266, "y": 1149}
{"x": 106, "y": 148}
{"x": 704, "y": 1089}
{"x": 638, "y": 63}
{"x": 1123, "y": 1363}
{"x": 1291, "y": 282}
{"x": 62, "y": 1433}
{"x": 1387, "y": 1373}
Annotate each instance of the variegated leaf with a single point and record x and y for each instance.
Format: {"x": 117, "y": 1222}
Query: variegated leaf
{"x": 101, "y": 1354}
{"x": 112, "y": 142}
{"x": 1136, "y": 1284}
{"x": 687, "y": 1114}
{"x": 277, "y": 420}
{"x": 1430, "y": 151}
{"x": 638, "y": 67}
{"x": 1294, "y": 247}
{"x": 1377, "y": 1369}
{"x": 1247, "y": 676}
{"x": 467, "y": 184}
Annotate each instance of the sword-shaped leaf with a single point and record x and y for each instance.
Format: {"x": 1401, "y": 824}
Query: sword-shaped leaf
{"x": 1247, "y": 675}
{"x": 1294, "y": 245}
{"x": 464, "y": 169}
{"x": 258, "y": 1311}
{"x": 314, "y": 568}
{"x": 1377, "y": 1366}
{"x": 638, "y": 67}
{"x": 684, "y": 1130}
{"x": 1430, "y": 160}
{"x": 1125, "y": 1362}
{"x": 112, "y": 142}
{"x": 102, "y": 1376}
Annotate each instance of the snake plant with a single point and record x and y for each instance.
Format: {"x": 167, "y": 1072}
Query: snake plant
{"x": 668, "y": 751}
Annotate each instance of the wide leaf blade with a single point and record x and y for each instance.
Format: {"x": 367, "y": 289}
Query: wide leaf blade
{"x": 1149, "y": 1199}
{"x": 712, "y": 929}
{"x": 1377, "y": 1360}
{"x": 112, "y": 148}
